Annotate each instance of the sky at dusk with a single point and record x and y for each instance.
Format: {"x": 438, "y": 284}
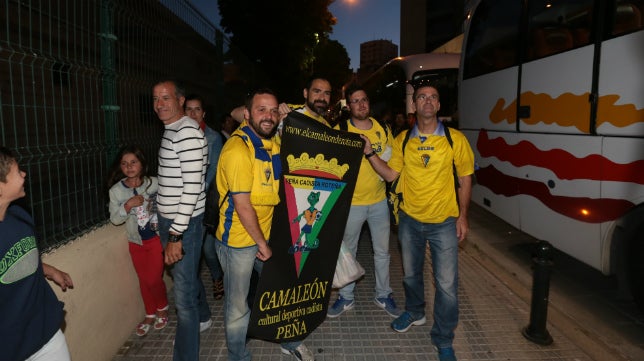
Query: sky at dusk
{"x": 358, "y": 21}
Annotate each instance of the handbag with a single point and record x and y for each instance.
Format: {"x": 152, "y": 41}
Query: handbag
{"x": 347, "y": 268}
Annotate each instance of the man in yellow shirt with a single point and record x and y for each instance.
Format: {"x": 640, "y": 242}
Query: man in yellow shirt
{"x": 317, "y": 94}
{"x": 248, "y": 188}
{"x": 434, "y": 210}
{"x": 369, "y": 203}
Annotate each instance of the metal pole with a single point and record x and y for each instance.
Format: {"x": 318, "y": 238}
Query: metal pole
{"x": 542, "y": 263}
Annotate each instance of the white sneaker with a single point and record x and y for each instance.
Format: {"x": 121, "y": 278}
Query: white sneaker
{"x": 301, "y": 353}
{"x": 205, "y": 325}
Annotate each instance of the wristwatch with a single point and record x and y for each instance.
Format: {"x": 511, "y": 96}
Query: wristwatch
{"x": 174, "y": 238}
{"x": 373, "y": 152}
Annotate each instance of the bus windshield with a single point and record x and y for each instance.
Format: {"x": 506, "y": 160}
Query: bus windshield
{"x": 390, "y": 88}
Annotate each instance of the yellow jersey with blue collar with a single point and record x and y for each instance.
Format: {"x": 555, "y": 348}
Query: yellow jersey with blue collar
{"x": 240, "y": 170}
{"x": 426, "y": 174}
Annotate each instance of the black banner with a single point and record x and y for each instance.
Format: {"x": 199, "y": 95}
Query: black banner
{"x": 319, "y": 171}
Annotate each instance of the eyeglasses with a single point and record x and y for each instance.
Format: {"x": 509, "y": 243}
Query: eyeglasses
{"x": 425, "y": 97}
{"x": 356, "y": 101}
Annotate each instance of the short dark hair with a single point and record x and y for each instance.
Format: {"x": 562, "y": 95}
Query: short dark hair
{"x": 225, "y": 117}
{"x": 352, "y": 88}
{"x": 249, "y": 98}
{"x": 194, "y": 97}
{"x": 424, "y": 85}
{"x": 7, "y": 159}
{"x": 312, "y": 78}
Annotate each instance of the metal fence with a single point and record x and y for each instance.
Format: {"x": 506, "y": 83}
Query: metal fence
{"x": 75, "y": 86}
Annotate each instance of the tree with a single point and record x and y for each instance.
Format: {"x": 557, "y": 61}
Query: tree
{"x": 331, "y": 59}
{"x": 277, "y": 37}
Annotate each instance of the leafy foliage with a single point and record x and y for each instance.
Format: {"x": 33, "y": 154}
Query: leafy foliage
{"x": 331, "y": 59}
{"x": 279, "y": 37}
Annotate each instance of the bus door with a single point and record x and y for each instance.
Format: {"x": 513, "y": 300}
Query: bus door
{"x": 488, "y": 118}
{"x": 554, "y": 117}
{"x": 620, "y": 107}
{"x": 557, "y": 74}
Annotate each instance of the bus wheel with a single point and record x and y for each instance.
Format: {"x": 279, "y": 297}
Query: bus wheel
{"x": 636, "y": 266}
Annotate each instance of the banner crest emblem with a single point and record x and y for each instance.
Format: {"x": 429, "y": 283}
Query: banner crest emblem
{"x": 312, "y": 189}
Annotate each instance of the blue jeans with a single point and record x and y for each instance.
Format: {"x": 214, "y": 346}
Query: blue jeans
{"x": 238, "y": 264}
{"x": 210, "y": 256}
{"x": 190, "y": 303}
{"x": 377, "y": 217}
{"x": 443, "y": 245}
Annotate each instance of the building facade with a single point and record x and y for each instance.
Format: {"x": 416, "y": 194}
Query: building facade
{"x": 373, "y": 55}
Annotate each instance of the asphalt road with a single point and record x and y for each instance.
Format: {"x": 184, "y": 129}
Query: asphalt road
{"x": 601, "y": 319}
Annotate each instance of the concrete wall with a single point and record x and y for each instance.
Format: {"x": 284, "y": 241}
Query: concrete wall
{"x": 105, "y": 305}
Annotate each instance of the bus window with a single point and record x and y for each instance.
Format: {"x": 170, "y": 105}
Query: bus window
{"x": 386, "y": 89}
{"x": 628, "y": 16}
{"x": 554, "y": 27}
{"x": 493, "y": 37}
{"x": 390, "y": 87}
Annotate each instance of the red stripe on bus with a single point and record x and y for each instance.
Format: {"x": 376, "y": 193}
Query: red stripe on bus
{"x": 589, "y": 210}
{"x": 562, "y": 163}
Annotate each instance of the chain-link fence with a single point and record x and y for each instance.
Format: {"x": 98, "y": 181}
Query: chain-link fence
{"x": 75, "y": 86}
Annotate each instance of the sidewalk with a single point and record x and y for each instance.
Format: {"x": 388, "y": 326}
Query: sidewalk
{"x": 491, "y": 319}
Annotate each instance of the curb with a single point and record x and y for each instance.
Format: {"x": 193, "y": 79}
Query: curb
{"x": 519, "y": 281}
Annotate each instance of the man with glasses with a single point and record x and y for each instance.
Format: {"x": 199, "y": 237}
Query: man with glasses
{"x": 369, "y": 203}
{"x": 435, "y": 165}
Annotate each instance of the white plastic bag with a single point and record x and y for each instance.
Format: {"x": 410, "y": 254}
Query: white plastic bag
{"x": 347, "y": 269}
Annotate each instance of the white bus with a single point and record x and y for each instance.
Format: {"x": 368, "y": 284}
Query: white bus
{"x": 390, "y": 89}
{"x": 551, "y": 97}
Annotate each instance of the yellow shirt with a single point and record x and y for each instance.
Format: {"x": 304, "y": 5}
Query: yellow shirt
{"x": 426, "y": 176}
{"x": 370, "y": 188}
{"x": 304, "y": 110}
{"x": 238, "y": 171}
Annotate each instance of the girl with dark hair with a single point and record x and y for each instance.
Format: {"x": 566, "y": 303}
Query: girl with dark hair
{"x": 132, "y": 201}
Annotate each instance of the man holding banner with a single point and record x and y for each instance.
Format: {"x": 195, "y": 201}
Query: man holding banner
{"x": 319, "y": 172}
{"x": 317, "y": 93}
{"x": 248, "y": 177}
{"x": 369, "y": 204}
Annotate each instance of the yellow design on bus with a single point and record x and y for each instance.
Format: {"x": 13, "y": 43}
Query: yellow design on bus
{"x": 568, "y": 110}
{"x": 617, "y": 115}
